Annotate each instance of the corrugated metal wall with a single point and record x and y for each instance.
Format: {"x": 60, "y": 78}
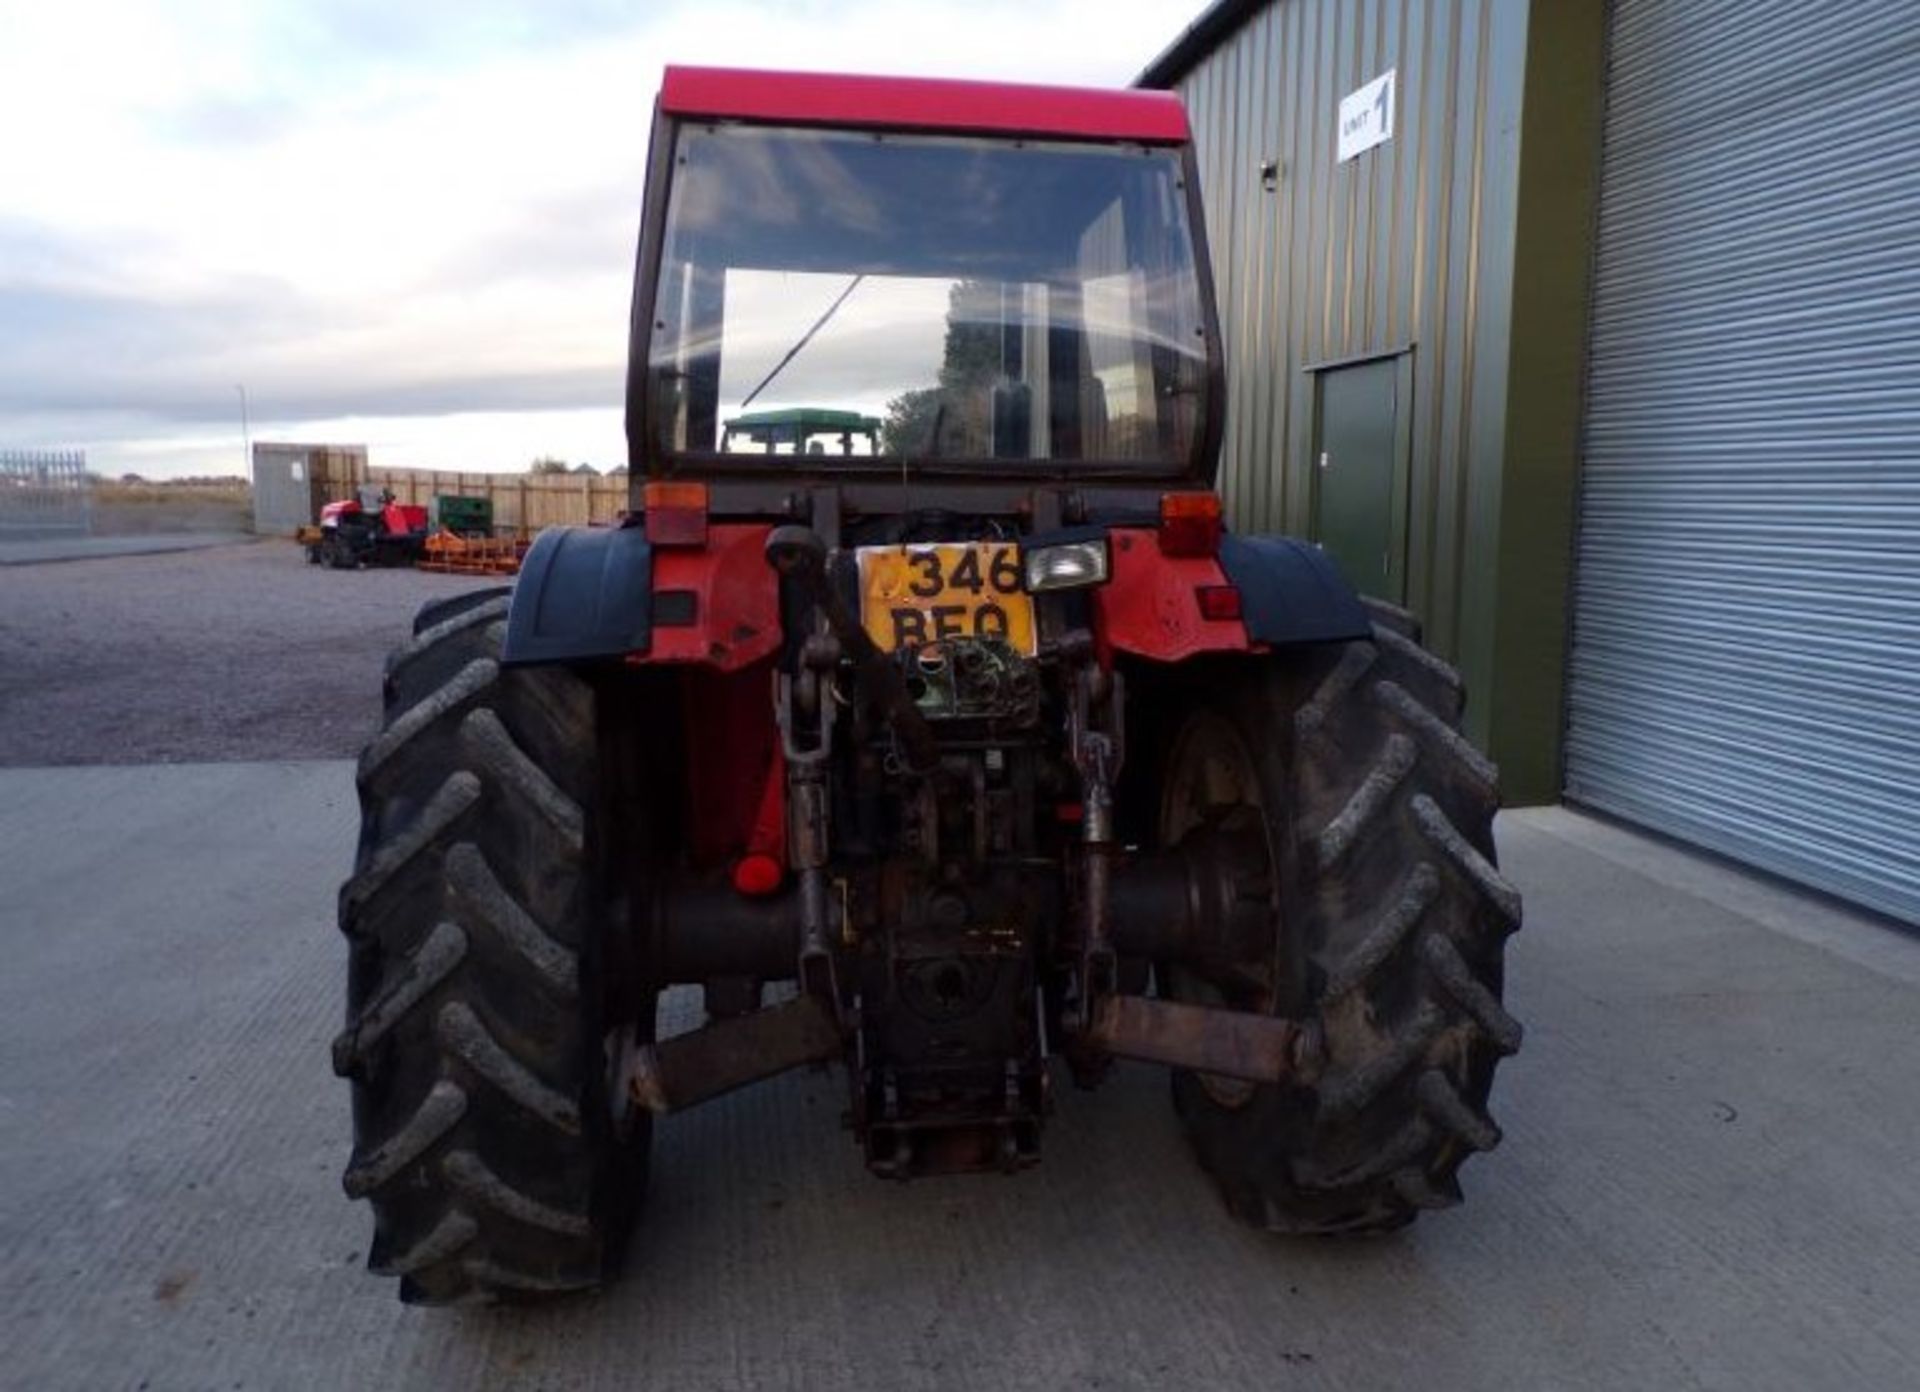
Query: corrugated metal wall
{"x": 282, "y": 491}
{"x": 292, "y": 481}
{"x": 1746, "y": 663}
{"x": 1409, "y": 244}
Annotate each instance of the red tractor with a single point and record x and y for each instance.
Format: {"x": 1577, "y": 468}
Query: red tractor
{"x": 369, "y": 529}
{"x": 971, "y": 762}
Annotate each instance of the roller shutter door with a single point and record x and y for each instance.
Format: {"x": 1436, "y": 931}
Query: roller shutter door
{"x": 1746, "y": 648}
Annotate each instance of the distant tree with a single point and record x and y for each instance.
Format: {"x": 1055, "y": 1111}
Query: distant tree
{"x": 547, "y": 464}
{"x": 131, "y": 478}
{"x": 959, "y": 404}
{"x": 910, "y": 418}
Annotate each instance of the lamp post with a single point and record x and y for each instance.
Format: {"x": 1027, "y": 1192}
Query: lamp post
{"x": 246, "y": 435}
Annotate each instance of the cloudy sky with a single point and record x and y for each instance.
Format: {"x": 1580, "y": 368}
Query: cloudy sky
{"x": 408, "y": 223}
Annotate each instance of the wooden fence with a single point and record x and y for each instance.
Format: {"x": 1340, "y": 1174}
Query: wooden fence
{"x": 522, "y": 503}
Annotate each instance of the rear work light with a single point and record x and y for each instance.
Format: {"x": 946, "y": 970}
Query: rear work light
{"x": 1066, "y": 566}
{"x": 676, "y": 512}
{"x": 1189, "y": 524}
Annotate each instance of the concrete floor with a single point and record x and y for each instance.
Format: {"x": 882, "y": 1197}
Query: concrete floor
{"x": 41, "y": 550}
{"x": 1708, "y": 1179}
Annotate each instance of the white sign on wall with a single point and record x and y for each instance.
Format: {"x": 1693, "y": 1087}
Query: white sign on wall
{"x": 1366, "y": 116}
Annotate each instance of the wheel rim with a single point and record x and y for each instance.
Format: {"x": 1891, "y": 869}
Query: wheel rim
{"x": 1211, "y": 777}
{"x": 621, "y": 1044}
{"x": 629, "y": 1028}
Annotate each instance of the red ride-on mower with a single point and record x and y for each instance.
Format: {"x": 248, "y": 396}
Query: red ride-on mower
{"x": 971, "y": 761}
{"x": 370, "y": 529}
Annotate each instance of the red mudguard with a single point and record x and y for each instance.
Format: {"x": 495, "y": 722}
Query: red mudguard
{"x": 716, "y": 605}
{"x": 1150, "y": 606}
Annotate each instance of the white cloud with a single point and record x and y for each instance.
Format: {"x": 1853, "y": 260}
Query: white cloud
{"x": 331, "y": 202}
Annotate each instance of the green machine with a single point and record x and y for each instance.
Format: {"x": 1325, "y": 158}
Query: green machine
{"x": 467, "y": 517}
{"x": 808, "y": 429}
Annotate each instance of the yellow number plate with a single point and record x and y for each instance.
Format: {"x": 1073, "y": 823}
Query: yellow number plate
{"x": 914, "y": 595}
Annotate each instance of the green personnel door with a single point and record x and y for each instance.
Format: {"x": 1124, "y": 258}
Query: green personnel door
{"x": 1359, "y": 474}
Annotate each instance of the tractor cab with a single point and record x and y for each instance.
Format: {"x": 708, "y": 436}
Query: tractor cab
{"x": 801, "y": 430}
{"x": 1006, "y": 280}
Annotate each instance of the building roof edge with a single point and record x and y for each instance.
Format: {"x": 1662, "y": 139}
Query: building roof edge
{"x": 1215, "y": 24}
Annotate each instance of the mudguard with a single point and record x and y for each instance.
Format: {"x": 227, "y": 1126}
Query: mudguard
{"x": 716, "y": 605}
{"x": 589, "y": 594}
{"x": 1150, "y": 607}
{"x": 584, "y": 594}
{"x": 1291, "y": 592}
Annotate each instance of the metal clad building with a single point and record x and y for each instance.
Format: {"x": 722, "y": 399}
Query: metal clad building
{"x": 1323, "y": 264}
{"x": 291, "y": 482}
{"x": 1606, "y": 359}
{"x": 1367, "y": 306}
{"x": 1746, "y": 660}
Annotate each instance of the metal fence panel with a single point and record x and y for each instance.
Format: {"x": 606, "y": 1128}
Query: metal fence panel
{"x": 44, "y": 493}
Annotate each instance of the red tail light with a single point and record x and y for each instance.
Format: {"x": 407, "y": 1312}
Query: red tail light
{"x": 1218, "y": 601}
{"x": 676, "y": 512}
{"x": 1189, "y": 524}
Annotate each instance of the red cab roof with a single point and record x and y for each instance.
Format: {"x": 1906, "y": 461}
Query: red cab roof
{"x": 923, "y": 103}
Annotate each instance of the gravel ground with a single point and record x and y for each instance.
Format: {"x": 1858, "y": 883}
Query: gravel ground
{"x": 239, "y": 652}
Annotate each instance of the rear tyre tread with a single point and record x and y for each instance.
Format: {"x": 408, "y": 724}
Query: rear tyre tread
{"x": 465, "y": 613}
{"x": 1422, "y": 888}
{"x": 1439, "y": 738}
{"x": 1493, "y": 888}
{"x": 468, "y": 1173}
{"x": 1428, "y": 672}
{"x": 450, "y": 1237}
{"x": 464, "y": 1037}
{"x": 1391, "y": 618}
{"x": 491, "y": 1276}
{"x": 437, "y": 1114}
{"x": 1413, "y": 1141}
{"x": 486, "y": 740}
{"x": 1450, "y": 969}
{"x": 478, "y": 996}
{"x": 438, "y": 611}
{"x": 1353, "y": 664}
{"x": 1398, "y": 921}
{"x": 1441, "y": 1102}
{"x": 455, "y": 796}
{"x": 474, "y": 886}
{"x": 1370, "y": 800}
{"x": 1348, "y": 1093}
{"x": 443, "y": 951}
{"x": 1420, "y": 1190}
{"x": 411, "y": 723}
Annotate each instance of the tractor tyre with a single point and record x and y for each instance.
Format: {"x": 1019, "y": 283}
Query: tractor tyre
{"x": 1390, "y": 927}
{"x": 438, "y": 611}
{"x": 489, "y": 998}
